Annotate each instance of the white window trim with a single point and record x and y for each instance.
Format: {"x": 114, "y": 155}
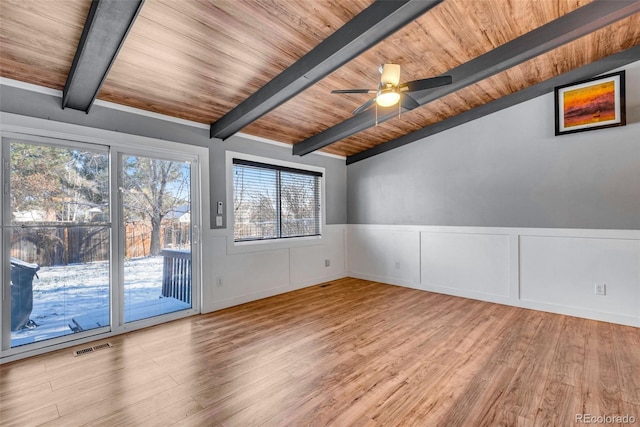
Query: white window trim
{"x": 234, "y": 247}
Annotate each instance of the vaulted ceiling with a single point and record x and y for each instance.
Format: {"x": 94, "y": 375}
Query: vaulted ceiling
{"x": 203, "y": 60}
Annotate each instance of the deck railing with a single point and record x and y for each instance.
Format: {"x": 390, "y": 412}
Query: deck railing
{"x": 176, "y": 274}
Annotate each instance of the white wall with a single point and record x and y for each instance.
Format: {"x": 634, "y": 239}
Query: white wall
{"x": 551, "y": 270}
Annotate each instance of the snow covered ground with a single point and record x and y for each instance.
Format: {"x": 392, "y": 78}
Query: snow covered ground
{"x": 64, "y": 292}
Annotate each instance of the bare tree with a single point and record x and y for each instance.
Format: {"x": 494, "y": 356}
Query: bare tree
{"x": 153, "y": 188}
{"x": 264, "y": 214}
{"x": 299, "y": 204}
{"x": 273, "y": 203}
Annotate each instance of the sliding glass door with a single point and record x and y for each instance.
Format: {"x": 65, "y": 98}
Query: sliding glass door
{"x": 58, "y": 237}
{"x": 94, "y": 240}
{"x": 156, "y": 223}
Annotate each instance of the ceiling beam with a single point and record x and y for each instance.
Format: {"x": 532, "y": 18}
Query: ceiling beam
{"x": 105, "y": 30}
{"x": 372, "y": 25}
{"x": 571, "y": 26}
{"x": 604, "y": 65}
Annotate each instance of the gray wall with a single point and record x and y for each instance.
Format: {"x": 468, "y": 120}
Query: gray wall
{"x": 508, "y": 170}
{"x": 34, "y": 104}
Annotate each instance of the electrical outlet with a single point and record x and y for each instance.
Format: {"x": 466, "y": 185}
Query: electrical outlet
{"x": 327, "y": 263}
{"x": 397, "y": 265}
{"x": 600, "y": 289}
{"x": 219, "y": 282}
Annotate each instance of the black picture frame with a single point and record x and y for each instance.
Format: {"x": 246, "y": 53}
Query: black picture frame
{"x": 590, "y": 104}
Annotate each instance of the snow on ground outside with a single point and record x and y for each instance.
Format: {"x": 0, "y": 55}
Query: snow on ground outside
{"x": 63, "y": 292}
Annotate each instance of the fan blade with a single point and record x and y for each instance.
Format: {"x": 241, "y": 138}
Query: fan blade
{"x": 364, "y": 106}
{"x": 353, "y": 91}
{"x": 408, "y": 102}
{"x": 390, "y": 74}
{"x": 424, "y": 84}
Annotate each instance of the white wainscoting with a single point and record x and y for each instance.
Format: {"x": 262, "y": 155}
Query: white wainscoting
{"x": 552, "y": 270}
{"x": 485, "y": 258}
{"x": 562, "y": 271}
{"x": 252, "y": 275}
{"x": 384, "y": 255}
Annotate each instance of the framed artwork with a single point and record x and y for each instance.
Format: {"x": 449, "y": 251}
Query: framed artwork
{"x": 590, "y": 104}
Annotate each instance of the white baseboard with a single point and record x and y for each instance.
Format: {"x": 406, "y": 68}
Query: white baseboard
{"x": 580, "y": 312}
{"x": 266, "y": 293}
{"x": 481, "y": 296}
{"x": 389, "y": 280}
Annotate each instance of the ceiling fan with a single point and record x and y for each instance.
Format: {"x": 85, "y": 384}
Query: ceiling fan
{"x": 390, "y": 91}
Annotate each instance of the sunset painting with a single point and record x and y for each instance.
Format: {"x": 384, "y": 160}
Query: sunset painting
{"x": 594, "y": 103}
{"x": 589, "y": 104}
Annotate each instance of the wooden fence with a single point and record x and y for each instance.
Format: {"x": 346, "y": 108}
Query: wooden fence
{"x": 61, "y": 244}
{"x": 173, "y": 235}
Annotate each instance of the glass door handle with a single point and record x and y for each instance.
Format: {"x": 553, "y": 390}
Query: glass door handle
{"x": 196, "y": 234}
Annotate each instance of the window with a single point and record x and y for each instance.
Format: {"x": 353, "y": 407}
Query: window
{"x": 274, "y": 202}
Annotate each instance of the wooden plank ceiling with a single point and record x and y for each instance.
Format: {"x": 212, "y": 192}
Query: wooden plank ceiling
{"x": 197, "y": 59}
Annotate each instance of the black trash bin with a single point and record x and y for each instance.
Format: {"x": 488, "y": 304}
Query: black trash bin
{"x": 21, "y": 292}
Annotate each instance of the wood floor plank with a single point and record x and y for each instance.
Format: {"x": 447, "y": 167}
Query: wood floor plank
{"x": 348, "y": 352}
{"x": 104, "y": 387}
{"x": 522, "y": 398}
{"x": 17, "y": 374}
{"x": 568, "y": 364}
{"x": 627, "y": 352}
{"x": 113, "y": 403}
{"x": 30, "y": 417}
{"x": 556, "y": 406}
{"x": 385, "y": 362}
{"x": 165, "y": 408}
{"x": 450, "y": 387}
{"x": 515, "y": 340}
{"x": 23, "y": 400}
{"x": 601, "y": 386}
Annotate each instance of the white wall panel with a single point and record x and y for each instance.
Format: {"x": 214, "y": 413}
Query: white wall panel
{"x": 563, "y": 271}
{"x": 308, "y": 262}
{"x": 387, "y": 255}
{"x": 245, "y": 277}
{"x": 477, "y": 263}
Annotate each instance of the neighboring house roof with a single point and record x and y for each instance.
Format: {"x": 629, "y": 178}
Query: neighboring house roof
{"x": 29, "y": 216}
{"x": 178, "y": 212}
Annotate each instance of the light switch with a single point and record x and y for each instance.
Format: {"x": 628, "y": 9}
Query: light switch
{"x": 219, "y": 221}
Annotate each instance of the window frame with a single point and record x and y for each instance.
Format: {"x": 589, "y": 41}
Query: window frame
{"x": 275, "y": 243}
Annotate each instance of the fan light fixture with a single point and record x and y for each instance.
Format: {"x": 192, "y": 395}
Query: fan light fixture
{"x": 389, "y": 98}
{"x": 390, "y": 92}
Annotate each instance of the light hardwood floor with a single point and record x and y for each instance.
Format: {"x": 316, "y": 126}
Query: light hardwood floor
{"x": 345, "y": 353}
